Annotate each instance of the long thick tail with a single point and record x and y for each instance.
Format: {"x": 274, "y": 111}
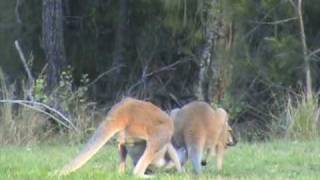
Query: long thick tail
{"x": 104, "y": 132}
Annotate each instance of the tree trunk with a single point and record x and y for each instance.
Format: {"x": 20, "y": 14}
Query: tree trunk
{"x": 211, "y": 84}
{"x": 205, "y": 55}
{"x": 204, "y": 64}
{"x": 53, "y": 41}
{"x": 119, "y": 49}
{"x": 305, "y": 51}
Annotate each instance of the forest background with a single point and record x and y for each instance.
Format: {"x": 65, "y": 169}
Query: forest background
{"x": 64, "y": 63}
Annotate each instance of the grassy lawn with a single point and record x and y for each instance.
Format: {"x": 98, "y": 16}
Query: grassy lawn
{"x": 276, "y": 160}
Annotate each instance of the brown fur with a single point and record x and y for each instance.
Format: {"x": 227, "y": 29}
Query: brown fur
{"x": 199, "y": 128}
{"x": 138, "y": 120}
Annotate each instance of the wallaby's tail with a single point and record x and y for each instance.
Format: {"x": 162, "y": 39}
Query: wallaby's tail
{"x": 104, "y": 132}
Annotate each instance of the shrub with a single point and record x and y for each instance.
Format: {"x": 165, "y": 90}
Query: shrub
{"x": 18, "y": 125}
{"x": 26, "y": 125}
{"x": 299, "y": 119}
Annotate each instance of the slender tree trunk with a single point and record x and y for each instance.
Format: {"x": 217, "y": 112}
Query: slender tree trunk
{"x": 211, "y": 84}
{"x": 53, "y": 41}
{"x": 305, "y": 51}
{"x": 204, "y": 64}
{"x": 205, "y": 54}
{"x": 118, "y": 58}
{"x": 209, "y": 70}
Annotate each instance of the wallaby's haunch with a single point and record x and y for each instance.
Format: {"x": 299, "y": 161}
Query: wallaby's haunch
{"x": 199, "y": 128}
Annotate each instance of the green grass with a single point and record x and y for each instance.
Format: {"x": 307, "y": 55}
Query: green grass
{"x": 276, "y": 160}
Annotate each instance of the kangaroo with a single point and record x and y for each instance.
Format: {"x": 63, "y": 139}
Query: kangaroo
{"x": 139, "y": 120}
{"x": 199, "y": 128}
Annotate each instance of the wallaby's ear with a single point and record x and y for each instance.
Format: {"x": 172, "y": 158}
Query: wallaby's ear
{"x": 232, "y": 140}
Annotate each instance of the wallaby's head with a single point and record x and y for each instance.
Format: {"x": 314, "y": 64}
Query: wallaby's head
{"x": 230, "y": 139}
{"x": 228, "y": 136}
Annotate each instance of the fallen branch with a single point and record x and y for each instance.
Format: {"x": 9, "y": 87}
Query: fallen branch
{"x": 33, "y": 104}
{"x": 44, "y": 112}
{"x": 25, "y": 65}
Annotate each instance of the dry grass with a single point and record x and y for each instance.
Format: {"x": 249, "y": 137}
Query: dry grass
{"x": 299, "y": 119}
{"x": 23, "y": 125}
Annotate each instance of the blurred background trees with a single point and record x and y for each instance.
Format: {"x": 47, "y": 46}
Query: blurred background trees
{"x": 248, "y": 56}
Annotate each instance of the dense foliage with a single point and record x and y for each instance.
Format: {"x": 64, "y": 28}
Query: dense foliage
{"x": 156, "y": 50}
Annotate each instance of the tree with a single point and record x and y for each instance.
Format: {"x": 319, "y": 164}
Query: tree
{"x": 215, "y": 32}
{"x": 304, "y": 50}
{"x": 53, "y": 40}
{"x": 118, "y": 58}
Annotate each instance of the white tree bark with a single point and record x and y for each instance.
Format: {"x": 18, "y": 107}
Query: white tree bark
{"x": 204, "y": 61}
{"x": 305, "y": 51}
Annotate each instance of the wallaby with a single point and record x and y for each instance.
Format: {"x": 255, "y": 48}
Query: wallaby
{"x": 199, "y": 128}
{"x": 139, "y": 120}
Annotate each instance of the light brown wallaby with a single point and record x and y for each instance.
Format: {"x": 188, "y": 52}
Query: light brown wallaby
{"x": 199, "y": 128}
{"x": 139, "y": 120}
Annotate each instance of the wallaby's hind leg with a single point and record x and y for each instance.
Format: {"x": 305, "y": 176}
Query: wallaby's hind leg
{"x": 211, "y": 152}
{"x": 183, "y": 156}
{"x": 175, "y": 157}
{"x": 205, "y": 158}
{"x": 220, "y": 153}
{"x": 151, "y": 151}
{"x": 195, "y": 155}
{"x": 123, "y": 155}
{"x": 158, "y": 159}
